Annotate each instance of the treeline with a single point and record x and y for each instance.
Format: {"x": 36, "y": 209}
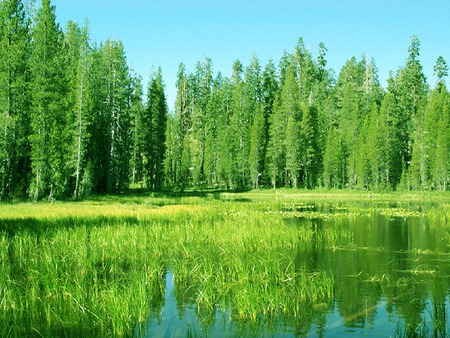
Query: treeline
{"x": 73, "y": 119}
{"x": 296, "y": 125}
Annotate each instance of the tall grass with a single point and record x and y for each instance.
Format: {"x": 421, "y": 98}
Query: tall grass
{"x": 97, "y": 267}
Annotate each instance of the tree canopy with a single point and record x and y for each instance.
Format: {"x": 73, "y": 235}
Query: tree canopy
{"x": 74, "y": 120}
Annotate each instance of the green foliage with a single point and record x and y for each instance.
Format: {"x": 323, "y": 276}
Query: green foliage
{"x": 49, "y": 136}
{"x": 15, "y": 51}
{"x": 73, "y": 120}
{"x": 152, "y": 133}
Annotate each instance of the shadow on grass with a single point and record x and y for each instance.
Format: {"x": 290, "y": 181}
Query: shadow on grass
{"x": 165, "y": 197}
{"x": 43, "y": 227}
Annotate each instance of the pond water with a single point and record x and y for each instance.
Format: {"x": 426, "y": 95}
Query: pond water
{"x": 391, "y": 279}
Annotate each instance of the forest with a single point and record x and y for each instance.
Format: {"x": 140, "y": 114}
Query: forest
{"x": 74, "y": 119}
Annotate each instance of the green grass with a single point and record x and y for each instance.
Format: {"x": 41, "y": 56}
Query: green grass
{"x": 97, "y": 267}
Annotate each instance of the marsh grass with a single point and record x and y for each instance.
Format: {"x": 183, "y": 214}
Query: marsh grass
{"x": 97, "y": 267}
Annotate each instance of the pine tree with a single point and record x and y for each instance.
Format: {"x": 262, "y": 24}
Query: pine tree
{"x": 409, "y": 89}
{"x": 394, "y": 160}
{"x": 136, "y": 124}
{"x": 79, "y": 63}
{"x": 334, "y": 163}
{"x": 257, "y": 145}
{"x": 270, "y": 91}
{"x": 111, "y": 127}
{"x": 49, "y": 138}
{"x": 157, "y": 103}
{"x": 202, "y": 88}
{"x": 288, "y": 106}
{"x": 213, "y": 123}
{"x": 311, "y": 157}
{"x": 14, "y": 99}
{"x": 183, "y": 121}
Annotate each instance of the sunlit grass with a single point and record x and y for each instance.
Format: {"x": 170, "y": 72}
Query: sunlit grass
{"x": 97, "y": 267}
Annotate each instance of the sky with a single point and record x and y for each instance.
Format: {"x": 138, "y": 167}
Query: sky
{"x": 165, "y": 33}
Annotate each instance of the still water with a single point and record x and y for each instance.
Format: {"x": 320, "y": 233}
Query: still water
{"x": 391, "y": 279}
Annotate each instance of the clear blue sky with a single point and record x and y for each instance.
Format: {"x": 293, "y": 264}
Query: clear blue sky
{"x": 167, "y": 32}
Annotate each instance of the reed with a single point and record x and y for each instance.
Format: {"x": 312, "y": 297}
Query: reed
{"x": 97, "y": 267}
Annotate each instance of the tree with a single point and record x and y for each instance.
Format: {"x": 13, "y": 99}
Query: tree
{"x": 154, "y": 123}
{"x": 202, "y": 88}
{"x": 334, "y": 163}
{"x": 392, "y": 135}
{"x": 288, "y": 106}
{"x": 441, "y": 69}
{"x": 111, "y": 127}
{"x": 311, "y": 156}
{"x": 137, "y": 112}
{"x": 257, "y": 147}
{"x": 270, "y": 91}
{"x": 14, "y": 99}
{"x": 79, "y": 63}
{"x": 410, "y": 89}
{"x": 49, "y": 138}
{"x": 182, "y": 121}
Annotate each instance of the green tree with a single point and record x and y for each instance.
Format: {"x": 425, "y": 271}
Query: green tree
{"x": 14, "y": 99}
{"x": 409, "y": 89}
{"x": 79, "y": 63}
{"x": 111, "y": 127}
{"x": 394, "y": 161}
{"x": 257, "y": 147}
{"x": 441, "y": 69}
{"x": 334, "y": 162}
{"x": 182, "y": 121}
{"x": 138, "y": 108}
{"x": 153, "y": 142}
{"x": 311, "y": 157}
{"x": 202, "y": 89}
{"x": 288, "y": 106}
{"x": 270, "y": 91}
{"x": 50, "y": 136}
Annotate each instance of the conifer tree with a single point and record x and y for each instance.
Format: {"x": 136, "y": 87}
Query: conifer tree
{"x": 270, "y": 91}
{"x": 137, "y": 110}
{"x": 111, "y": 127}
{"x": 49, "y": 138}
{"x": 288, "y": 106}
{"x": 14, "y": 99}
{"x": 409, "y": 89}
{"x": 157, "y": 109}
{"x": 311, "y": 157}
{"x": 79, "y": 63}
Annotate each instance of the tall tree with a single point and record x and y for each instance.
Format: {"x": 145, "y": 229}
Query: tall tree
{"x": 270, "y": 91}
{"x": 202, "y": 82}
{"x": 287, "y": 107}
{"x": 49, "y": 138}
{"x": 79, "y": 63}
{"x": 137, "y": 110}
{"x": 410, "y": 90}
{"x": 14, "y": 99}
{"x": 311, "y": 158}
{"x": 111, "y": 128}
{"x": 153, "y": 135}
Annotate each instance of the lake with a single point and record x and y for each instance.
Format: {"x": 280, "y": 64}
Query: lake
{"x": 391, "y": 279}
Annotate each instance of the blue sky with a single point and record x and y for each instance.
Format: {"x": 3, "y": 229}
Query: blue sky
{"x": 166, "y": 33}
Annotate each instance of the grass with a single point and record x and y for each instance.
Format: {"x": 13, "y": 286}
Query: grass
{"x": 97, "y": 267}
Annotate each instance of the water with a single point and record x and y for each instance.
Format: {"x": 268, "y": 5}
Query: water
{"x": 392, "y": 279}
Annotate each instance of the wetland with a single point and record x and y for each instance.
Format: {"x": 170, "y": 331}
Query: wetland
{"x": 210, "y": 263}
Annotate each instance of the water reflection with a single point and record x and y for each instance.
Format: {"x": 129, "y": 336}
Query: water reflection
{"x": 392, "y": 279}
